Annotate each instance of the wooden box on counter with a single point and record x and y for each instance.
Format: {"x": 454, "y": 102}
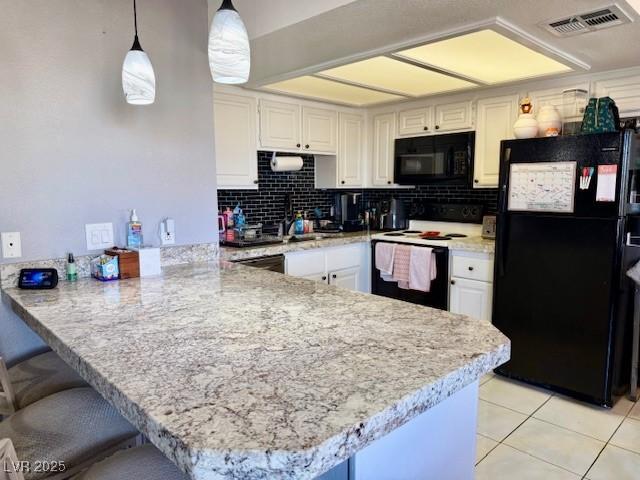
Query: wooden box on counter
{"x": 128, "y": 260}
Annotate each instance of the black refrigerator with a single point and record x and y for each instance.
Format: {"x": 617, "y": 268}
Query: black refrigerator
{"x": 560, "y": 293}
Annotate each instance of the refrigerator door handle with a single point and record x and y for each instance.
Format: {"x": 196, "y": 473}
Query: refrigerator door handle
{"x": 501, "y": 242}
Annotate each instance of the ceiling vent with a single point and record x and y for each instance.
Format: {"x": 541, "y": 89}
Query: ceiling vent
{"x": 587, "y": 22}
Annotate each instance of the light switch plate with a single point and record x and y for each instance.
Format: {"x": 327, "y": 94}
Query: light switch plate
{"x": 11, "y": 245}
{"x": 99, "y": 235}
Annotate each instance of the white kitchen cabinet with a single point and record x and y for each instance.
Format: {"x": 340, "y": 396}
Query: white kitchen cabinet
{"x": 471, "y": 284}
{"x": 295, "y": 128}
{"x": 382, "y": 153}
{"x": 235, "y": 141}
{"x": 348, "y": 278}
{"x": 345, "y": 266}
{"x": 279, "y": 125}
{"x": 625, "y": 92}
{"x": 346, "y": 169}
{"x": 319, "y": 130}
{"x": 453, "y": 116}
{"x": 415, "y": 121}
{"x": 351, "y": 150}
{"x": 494, "y": 123}
{"x": 471, "y": 297}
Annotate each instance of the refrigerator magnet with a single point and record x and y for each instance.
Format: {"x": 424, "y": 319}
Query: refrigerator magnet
{"x": 606, "y": 189}
{"x": 585, "y": 178}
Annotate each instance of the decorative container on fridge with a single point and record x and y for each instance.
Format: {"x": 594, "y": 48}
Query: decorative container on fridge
{"x": 549, "y": 121}
{"x": 526, "y": 126}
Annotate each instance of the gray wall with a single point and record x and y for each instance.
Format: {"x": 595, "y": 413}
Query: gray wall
{"x": 73, "y": 152}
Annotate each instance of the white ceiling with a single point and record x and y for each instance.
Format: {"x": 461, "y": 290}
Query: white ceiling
{"x": 364, "y": 28}
{"x": 266, "y": 16}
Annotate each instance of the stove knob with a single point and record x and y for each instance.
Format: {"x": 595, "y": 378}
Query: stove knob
{"x": 465, "y": 212}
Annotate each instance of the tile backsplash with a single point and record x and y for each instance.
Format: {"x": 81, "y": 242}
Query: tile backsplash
{"x": 267, "y": 203}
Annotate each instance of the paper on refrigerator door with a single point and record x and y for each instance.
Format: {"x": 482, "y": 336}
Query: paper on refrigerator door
{"x": 542, "y": 187}
{"x": 607, "y": 176}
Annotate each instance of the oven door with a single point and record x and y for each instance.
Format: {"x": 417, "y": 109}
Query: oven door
{"x": 438, "y": 297}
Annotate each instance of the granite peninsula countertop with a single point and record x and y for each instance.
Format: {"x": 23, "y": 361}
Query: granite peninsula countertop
{"x": 471, "y": 244}
{"x": 239, "y": 373}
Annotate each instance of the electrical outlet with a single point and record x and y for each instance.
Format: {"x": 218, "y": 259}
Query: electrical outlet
{"x": 11, "y": 244}
{"x": 99, "y": 235}
{"x": 168, "y": 232}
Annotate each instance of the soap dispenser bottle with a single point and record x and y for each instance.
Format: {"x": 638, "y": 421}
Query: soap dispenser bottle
{"x": 134, "y": 231}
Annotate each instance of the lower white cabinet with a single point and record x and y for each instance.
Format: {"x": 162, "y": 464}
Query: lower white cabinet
{"x": 345, "y": 266}
{"x": 471, "y": 285}
{"x": 471, "y": 297}
{"x": 349, "y": 278}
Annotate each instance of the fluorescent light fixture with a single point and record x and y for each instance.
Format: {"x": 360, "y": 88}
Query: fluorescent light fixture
{"x": 322, "y": 89}
{"x": 396, "y": 76}
{"x": 635, "y": 4}
{"x": 485, "y": 56}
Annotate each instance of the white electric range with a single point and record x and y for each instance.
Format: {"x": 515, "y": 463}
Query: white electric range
{"x": 446, "y": 224}
{"x": 446, "y": 232}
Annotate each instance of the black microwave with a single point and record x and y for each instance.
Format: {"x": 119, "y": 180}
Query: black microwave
{"x": 437, "y": 159}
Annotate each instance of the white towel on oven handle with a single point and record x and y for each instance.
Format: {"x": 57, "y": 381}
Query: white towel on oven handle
{"x": 422, "y": 268}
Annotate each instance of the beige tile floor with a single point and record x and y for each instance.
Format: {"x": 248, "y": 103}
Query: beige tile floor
{"x": 528, "y": 433}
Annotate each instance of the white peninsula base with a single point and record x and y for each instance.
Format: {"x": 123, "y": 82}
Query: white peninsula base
{"x": 438, "y": 444}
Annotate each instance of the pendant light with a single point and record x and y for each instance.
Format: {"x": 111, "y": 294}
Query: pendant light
{"x": 229, "y": 54}
{"x": 138, "y": 79}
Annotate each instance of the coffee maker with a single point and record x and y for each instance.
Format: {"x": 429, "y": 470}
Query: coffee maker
{"x": 347, "y": 211}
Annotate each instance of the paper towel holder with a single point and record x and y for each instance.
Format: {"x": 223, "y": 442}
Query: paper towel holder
{"x": 296, "y": 163}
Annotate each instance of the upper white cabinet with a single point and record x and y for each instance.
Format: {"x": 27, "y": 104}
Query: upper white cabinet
{"x": 319, "y": 130}
{"x": 453, "y": 116}
{"x": 415, "y": 121}
{"x": 279, "y": 125}
{"x": 346, "y": 169}
{"x": 439, "y": 119}
{"x": 625, "y": 92}
{"x": 351, "y": 150}
{"x": 235, "y": 141}
{"x": 382, "y": 153}
{"x": 291, "y": 127}
{"x": 494, "y": 123}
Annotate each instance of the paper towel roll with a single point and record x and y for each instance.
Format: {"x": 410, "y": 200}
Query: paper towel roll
{"x": 286, "y": 164}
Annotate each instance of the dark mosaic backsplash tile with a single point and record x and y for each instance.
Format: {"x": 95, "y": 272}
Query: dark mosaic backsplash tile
{"x": 267, "y": 204}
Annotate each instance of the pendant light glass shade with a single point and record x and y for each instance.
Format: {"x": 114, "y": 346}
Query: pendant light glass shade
{"x": 138, "y": 78}
{"x": 229, "y": 54}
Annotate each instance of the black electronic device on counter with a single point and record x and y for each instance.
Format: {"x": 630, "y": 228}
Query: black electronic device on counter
{"x": 38, "y": 278}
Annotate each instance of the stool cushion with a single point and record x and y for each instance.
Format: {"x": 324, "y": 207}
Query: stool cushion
{"x": 40, "y": 376}
{"x": 71, "y": 426}
{"x": 145, "y": 462}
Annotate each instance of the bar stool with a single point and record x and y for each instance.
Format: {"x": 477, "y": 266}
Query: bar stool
{"x": 145, "y": 462}
{"x": 75, "y": 427}
{"x": 33, "y": 379}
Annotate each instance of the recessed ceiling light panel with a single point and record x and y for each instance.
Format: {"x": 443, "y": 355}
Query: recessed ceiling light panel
{"x": 328, "y": 90}
{"x": 391, "y": 75}
{"x": 485, "y": 56}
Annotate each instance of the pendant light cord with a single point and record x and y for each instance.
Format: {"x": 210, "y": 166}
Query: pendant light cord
{"x": 135, "y": 17}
